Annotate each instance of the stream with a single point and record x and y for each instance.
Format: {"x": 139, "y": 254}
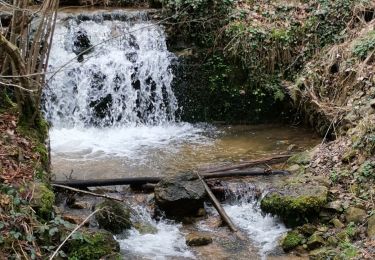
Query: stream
{"x": 113, "y": 114}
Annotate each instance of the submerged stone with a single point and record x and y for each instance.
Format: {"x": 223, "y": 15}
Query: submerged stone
{"x": 198, "y": 239}
{"x": 180, "y": 196}
{"x": 114, "y": 216}
{"x": 295, "y": 203}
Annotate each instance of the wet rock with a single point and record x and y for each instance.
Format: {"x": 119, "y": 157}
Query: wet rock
{"x": 355, "y": 215}
{"x": 74, "y": 219}
{"x": 302, "y": 158}
{"x": 81, "y": 44}
{"x": 114, "y": 216}
{"x": 181, "y": 195}
{"x": 145, "y": 228}
{"x": 198, "y": 239}
{"x": 79, "y": 205}
{"x": 291, "y": 240}
{"x": 315, "y": 241}
{"x": 295, "y": 203}
{"x": 371, "y": 227}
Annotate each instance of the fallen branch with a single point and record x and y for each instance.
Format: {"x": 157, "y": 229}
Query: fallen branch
{"x": 73, "y": 231}
{"x": 219, "y": 208}
{"x": 86, "y": 192}
{"x": 138, "y": 181}
{"x": 269, "y": 161}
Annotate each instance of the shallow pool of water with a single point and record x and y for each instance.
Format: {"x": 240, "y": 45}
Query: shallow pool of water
{"x": 93, "y": 153}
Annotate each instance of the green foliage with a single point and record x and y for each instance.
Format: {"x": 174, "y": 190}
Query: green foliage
{"x": 91, "y": 246}
{"x": 348, "y": 250}
{"x": 365, "y": 46}
{"x": 291, "y": 240}
{"x": 366, "y": 172}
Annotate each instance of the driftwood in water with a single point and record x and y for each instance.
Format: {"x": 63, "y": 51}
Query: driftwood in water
{"x": 219, "y": 208}
{"x": 138, "y": 181}
{"x": 268, "y": 161}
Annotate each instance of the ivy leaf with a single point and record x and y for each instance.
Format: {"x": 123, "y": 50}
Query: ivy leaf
{"x": 30, "y": 237}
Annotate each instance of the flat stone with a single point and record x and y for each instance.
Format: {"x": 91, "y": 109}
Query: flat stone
{"x": 334, "y": 205}
{"x": 75, "y": 219}
{"x": 198, "y": 239}
{"x": 79, "y": 205}
{"x": 355, "y": 215}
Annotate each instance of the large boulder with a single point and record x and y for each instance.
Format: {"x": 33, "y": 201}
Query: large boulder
{"x": 295, "y": 203}
{"x": 113, "y": 216}
{"x": 371, "y": 227}
{"x": 181, "y": 195}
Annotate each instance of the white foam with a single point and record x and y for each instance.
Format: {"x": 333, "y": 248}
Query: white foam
{"x": 264, "y": 230}
{"x": 166, "y": 243}
{"x": 127, "y": 141}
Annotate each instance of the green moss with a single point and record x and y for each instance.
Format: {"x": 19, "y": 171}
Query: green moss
{"x": 295, "y": 209}
{"x": 92, "y": 246}
{"x": 114, "y": 216}
{"x": 45, "y": 199}
{"x": 291, "y": 240}
{"x": 303, "y": 158}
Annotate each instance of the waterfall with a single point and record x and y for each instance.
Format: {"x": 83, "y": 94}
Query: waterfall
{"x": 123, "y": 79}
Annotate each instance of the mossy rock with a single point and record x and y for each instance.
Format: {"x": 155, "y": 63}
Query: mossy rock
{"x": 94, "y": 245}
{"x": 315, "y": 241}
{"x": 291, "y": 240}
{"x": 302, "y": 158}
{"x": 145, "y": 228}
{"x": 296, "y": 204}
{"x": 114, "y": 216}
{"x": 43, "y": 200}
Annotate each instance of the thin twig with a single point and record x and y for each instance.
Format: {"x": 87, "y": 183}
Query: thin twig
{"x": 73, "y": 231}
{"x": 87, "y": 192}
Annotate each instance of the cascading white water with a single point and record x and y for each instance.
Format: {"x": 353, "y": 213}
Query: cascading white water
{"x": 124, "y": 79}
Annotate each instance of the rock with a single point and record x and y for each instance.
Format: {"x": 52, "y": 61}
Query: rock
{"x": 294, "y": 168}
{"x": 295, "y": 203}
{"x": 315, "y": 241}
{"x": 307, "y": 229}
{"x": 332, "y": 241}
{"x": 79, "y": 205}
{"x": 334, "y": 205}
{"x": 145, "y": 228}
{"x": 181, "y": 195}
{"x": 198, "y": 239}
{"x": 94, "y": 245}
{"x": 302, "y": 158}
{"x": 291, "y": 240}
{"x": 74, "y": 219}
{"x": 43, "y": 200}
{"x": 114, "y": 216}
{"x": 371, "y": 227}
{"x": 320, "y": 253}
{"x": 337, "y": 223}
{"x": 355, "y": 215}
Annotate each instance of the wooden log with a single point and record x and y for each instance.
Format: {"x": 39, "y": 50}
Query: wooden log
{"x": 138, "y": 181}
{"x": 219, "y": 208}
{"x": 268, "y": 161}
